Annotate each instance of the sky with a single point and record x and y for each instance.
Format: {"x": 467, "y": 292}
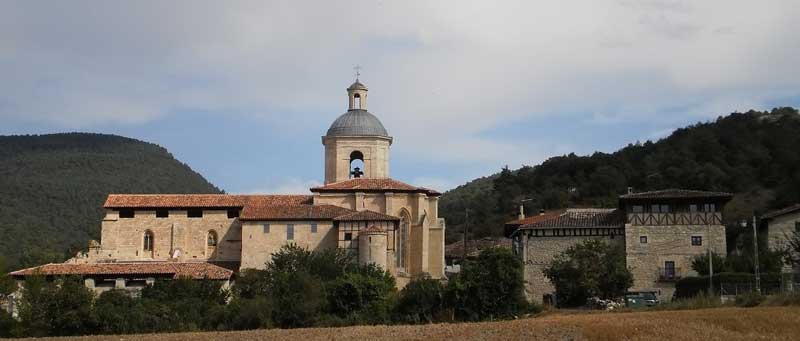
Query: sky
{"x": 242, "y": 91}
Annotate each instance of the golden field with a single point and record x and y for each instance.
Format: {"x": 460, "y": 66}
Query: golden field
{"x": 761, "y": 323}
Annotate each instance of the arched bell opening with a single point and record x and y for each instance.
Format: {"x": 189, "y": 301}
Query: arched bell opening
{"x": 356, "y": 164}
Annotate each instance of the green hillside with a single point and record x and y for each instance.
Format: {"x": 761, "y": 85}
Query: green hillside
{"x": 52, "y": 188}
{"x": 753, "y": 154}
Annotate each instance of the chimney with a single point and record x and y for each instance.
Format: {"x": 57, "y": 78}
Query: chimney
{"x": 541, "y": 212}
{"x": 521, "y": 212}
{"x": 630, "y": 190}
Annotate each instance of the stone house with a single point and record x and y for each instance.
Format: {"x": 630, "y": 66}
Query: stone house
{"x": 359, "y": 208}
{"x": 781, "y": 225}
{"x": 661, "y": 232}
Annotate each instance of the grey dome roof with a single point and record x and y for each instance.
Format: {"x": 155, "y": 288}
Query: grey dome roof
{"x": 357, "y": 85}
{"x": 357, "y": 123}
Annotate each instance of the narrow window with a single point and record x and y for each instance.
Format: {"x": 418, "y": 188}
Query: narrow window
{"x": 710, "y": 208}
{"x": 643, "y": 239}
{"x": 348, "y": 236}
{"x": 162, "y": 213}
{"x": 638, "y": 209}
{"x": 212, "y": 238}
{"x": 290, "y": 232}
{"x": 194, "y": 213}
{"x": 693, "y": 208}
{"x": 669, "y": 270}
{"x": 664, "y": 208}
{"x": 655, "y": 208}
{"x": 313, "y": 227}
{"x": 147, "y": 244}
{"x": 266, "y": 228}
{"x": 126, "y": 213}
{"x": 233, "y": 213}
{"x": 697, "y": 240}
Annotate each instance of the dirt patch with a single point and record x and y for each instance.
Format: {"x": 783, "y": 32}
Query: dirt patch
{"x": 768, "y": 323}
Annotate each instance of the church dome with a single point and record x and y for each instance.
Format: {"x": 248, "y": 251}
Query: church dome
{"x": 357, "y": 122}
{"x": 357, "y": 85}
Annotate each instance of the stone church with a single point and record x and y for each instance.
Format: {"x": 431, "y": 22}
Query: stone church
{"x": 359, "y": 208}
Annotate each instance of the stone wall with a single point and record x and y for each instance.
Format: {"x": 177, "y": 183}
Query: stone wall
{"x": 539, "y": 253}
{"x": 667, "y": 243}
{"x": 123, "y": 238}
{"x": 258, "y": 244}
{"x": 781, "y": 228}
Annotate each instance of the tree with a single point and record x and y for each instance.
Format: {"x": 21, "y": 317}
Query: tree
{"x": 793, "y": 249}
{"x": 59, "y": 307}
{"x": 421, "y": 301}
{"x": 589, "y": 269}
{"x": 700, "y": 263}
{"x": 489, "y": 287}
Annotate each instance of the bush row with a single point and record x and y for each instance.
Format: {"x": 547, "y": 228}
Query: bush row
{"x": 693, "y": 286}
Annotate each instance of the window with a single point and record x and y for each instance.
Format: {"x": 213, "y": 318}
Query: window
{"x": 212, "y": 238}
{"x": 126, "y": 213}
{"x": 664, "y": 208}
{"x": 711, "y": 208}
{"x": 643, "y": 239}
{"x": 233, "y": 213}
{"x": 655, "y": 209}
{"x": 194, "y": 213}
{"x": 693, "y": 208}
{"x": 637, "y": 208}
{"x": 162, "y": 213}
{"x": 669, "y": 270}
{"x": 266, "y": 228}
{"x": 348, "y": 236}
{"x": 147, "y": 244}
{"x": 290, "y": 232}
{"x": 697, "y": 240}
{"x": 313, "y": 227}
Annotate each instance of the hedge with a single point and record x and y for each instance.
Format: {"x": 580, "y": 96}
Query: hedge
{"x": 693, "y": 286}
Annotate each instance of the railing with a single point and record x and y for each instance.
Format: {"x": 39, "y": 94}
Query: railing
{"x": 669, "y": 274}
{"x": 679, "y": 218}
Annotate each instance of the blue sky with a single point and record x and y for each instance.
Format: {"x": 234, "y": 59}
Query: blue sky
{"x": 243, "y": 90}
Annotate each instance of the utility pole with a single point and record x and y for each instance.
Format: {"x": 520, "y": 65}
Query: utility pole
{"x": 466, "y": 229}
{"x": 755, "y": 255}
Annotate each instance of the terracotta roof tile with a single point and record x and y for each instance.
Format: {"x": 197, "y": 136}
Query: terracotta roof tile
{"x": 194, "y": 270}
{"x": 293, "y": 212}
{"x": 587, "y": 217}
{"x": 200, "y": 200}
{"x": 780, "y": 212}
{"x": 373, "y": 185}
{"x": 474, "y": 247}
{"x": 676, "y": 194}
{"x": 365, "y": 216}
{"x": 534, "y": 218}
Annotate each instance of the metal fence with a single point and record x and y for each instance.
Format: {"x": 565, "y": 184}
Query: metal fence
{"x": 789, "y": 283}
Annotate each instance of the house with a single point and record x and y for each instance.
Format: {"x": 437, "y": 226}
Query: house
{"x": 660, "y": 231}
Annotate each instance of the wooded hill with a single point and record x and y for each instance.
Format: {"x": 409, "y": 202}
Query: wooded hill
{"x": 52, "y": 189}
{"x": 754, "y": 154}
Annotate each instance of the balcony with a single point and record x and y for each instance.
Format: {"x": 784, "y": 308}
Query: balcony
{"x": 669, "y": 274}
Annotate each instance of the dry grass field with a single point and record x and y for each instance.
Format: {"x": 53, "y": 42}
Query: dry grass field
{"x": 763, "y": 323}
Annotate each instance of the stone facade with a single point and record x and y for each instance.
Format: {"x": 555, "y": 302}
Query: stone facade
{"x": 781, "y": 225}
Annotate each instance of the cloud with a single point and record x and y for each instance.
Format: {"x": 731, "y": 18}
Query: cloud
{"x": 446, "y": 71}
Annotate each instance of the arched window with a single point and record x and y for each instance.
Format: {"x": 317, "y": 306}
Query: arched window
{"x": 147, "y": 243}
{"x": 357, "y": 101}
{"x": 402, "y": 240}
{"x": 212, "y": 238}
{"x": 356, "y": 164}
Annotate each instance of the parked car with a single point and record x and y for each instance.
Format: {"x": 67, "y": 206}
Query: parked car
{"x": 638, "y": 299}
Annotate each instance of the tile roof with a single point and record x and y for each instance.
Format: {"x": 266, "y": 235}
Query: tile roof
{"x": 373, "y": 185}
{"x": 582, "y": 217}
{"x": 293, "y": 212}
{"x": 200, "y": 200}
{"x": 673, "y": 193}
{"x": 194, "y": 270}
{"x": 780, "y": 212}
{"x": 366, "y": 215}
{"x": 474, "y": 247}
{"x": 534, "y": 218}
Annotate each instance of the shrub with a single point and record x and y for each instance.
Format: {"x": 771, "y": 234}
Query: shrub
{"x": 489, "y": 287}
{"x": 364, "y": 295}
{"x": 692, "y": 286}
{"x": 592, "y": 268}
{"x": 749, "y": 300}
{"x": 60, "y": 307}
{"x": 421, "y": 301}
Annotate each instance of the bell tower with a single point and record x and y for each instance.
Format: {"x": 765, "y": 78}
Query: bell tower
{"x": 356, "y": 144}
